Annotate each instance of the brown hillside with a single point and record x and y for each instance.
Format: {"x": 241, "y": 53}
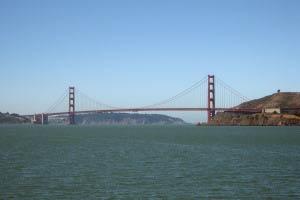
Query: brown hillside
{"x": 277, "y": 100}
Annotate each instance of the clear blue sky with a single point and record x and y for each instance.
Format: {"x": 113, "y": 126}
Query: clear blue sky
{"x": 137, "y": 52}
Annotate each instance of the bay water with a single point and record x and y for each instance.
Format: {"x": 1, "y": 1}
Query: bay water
{"x": 149, "y": 162}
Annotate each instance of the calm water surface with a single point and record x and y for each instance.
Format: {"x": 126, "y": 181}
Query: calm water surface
{"x": 149, "y": 162}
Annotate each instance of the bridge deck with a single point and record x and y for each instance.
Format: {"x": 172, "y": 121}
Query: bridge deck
{"x": 252, "y": 110}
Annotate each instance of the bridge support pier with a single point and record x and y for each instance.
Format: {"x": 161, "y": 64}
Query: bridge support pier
{"x": 211, "y": 98}
{"x": 71, "y": 118}
{"x": 39, "y": 119}
{"x": 44, "y": 119}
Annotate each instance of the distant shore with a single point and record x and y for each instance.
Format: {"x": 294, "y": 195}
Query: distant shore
{"x": 7, "y": 118}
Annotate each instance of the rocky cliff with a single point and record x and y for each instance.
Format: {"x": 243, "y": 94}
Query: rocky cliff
{"x": 289, "y": 102}
{"x": 259, "y": 119}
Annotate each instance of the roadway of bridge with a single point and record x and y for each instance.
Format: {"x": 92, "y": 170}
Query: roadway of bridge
{"x": 248, "y": 110}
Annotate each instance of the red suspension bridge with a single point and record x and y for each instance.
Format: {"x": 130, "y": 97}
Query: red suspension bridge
{"x": 211, "y": 93}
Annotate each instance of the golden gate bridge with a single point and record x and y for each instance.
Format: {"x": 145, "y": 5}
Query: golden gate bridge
{"x": 212, "y": 94}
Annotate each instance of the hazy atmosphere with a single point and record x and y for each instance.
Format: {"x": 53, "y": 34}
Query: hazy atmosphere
{"x": 134, "y": 53}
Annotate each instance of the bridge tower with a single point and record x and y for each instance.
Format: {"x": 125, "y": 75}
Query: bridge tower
{"x": 71, "y": 105}
{"x": 211, "y": 98}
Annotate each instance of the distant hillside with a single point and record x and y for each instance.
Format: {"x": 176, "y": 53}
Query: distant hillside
{"x": 277, "y": 100}
{"x": 120, "y": 119}
{"x": 6, "y": 118}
